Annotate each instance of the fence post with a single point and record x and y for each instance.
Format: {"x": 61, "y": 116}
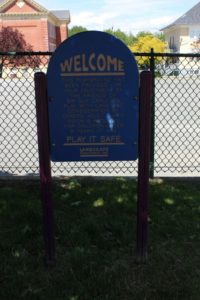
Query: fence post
{"x": 152, "y": 149}
{"x": 143, "y": 164}
{"x": 45, "y": 166}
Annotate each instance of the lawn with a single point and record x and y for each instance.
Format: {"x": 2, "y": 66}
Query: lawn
{"x": 95, "y": 240}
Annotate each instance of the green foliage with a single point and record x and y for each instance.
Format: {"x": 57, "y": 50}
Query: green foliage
{"x": 76, "y": 29}
{"x": 118, "y": 34}
{"x": 143, "y": 34}
{"x": 127, "y": 39}
{"x": 160, "y": 36}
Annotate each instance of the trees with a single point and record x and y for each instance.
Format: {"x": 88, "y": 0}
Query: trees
{"x": 144, "y": 44}
{"x": 160, "y": 36}
{"x": 76, "y": 29}
{"x": 11, "y": 40}
{"x": 196, "y": 46}
{"x": 128, "y": 39}
{"x": 143, "y": 34}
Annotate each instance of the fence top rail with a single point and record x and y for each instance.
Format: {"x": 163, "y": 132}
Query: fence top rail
{"x": 149, "y": 54}
{"x": 11, "y": 53}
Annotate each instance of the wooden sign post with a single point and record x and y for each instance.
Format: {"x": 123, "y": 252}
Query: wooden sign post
{"x": 45, "y": 165}
{"x": 143, "y": 165}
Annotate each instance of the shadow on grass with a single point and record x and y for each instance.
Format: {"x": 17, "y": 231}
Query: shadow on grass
{"x": 95, "y": 237}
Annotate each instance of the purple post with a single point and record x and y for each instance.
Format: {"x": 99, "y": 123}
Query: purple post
{"x": 143, "y": 164}
{"x": 45, "y": 165}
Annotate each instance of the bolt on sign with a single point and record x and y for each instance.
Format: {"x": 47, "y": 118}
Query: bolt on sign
{"x": 93, "y": 99}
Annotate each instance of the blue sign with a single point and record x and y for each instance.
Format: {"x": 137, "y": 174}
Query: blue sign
{"x": 93, "y": 92}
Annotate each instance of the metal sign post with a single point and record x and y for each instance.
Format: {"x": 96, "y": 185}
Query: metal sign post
{"x": 143, "y": 164}
{"x": 45, "y": 165}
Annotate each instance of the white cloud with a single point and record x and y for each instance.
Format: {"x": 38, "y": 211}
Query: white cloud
{"x": 135, "y": 6}
{"x": 147, "y": 24}
{"x": 104, "y": 20}
{"x": 129, "y": 15}
{"x": 92, "y": 20}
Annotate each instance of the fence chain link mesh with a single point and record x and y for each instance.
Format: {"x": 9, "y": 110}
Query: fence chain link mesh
{"x": 175, "y": 118}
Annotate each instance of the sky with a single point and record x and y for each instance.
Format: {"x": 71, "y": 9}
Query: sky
{"x": 131, "y": 16}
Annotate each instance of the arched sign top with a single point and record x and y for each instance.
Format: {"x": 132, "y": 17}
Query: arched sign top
{"x": 93, "y": 90}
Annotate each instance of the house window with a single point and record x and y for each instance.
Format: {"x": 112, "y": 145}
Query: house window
{"x": 51, "y": 30}
{"x": 52, "y": 47}
{"x": 170, "y": 42}
{"x": 195, "y": 34}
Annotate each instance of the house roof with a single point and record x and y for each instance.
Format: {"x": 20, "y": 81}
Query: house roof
{"x": 61, "y": 15}
{"x": 4, "y": 3}
{"x": 191, "y": 17}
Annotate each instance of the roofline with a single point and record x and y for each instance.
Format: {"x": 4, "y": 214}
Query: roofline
{"x": 164, "y": 28}
{"x": 178, "y": 25}
{"x": 61, "y": 20}
{"x": 47, "y": 15}
{"x": 8, "y": 2}
{"x": 43, "y": 11}
{"x": 65, "y": 19}
{"x": 181, "y": 24}
{"x": 38, "y": 5}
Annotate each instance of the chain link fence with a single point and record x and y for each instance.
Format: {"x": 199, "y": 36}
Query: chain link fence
{"x": 175, "y": 137}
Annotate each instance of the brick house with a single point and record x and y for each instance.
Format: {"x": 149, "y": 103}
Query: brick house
{"x": 44, "y": 30}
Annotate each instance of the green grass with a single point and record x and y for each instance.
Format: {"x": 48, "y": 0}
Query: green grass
{"x": 95, "y": 239}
